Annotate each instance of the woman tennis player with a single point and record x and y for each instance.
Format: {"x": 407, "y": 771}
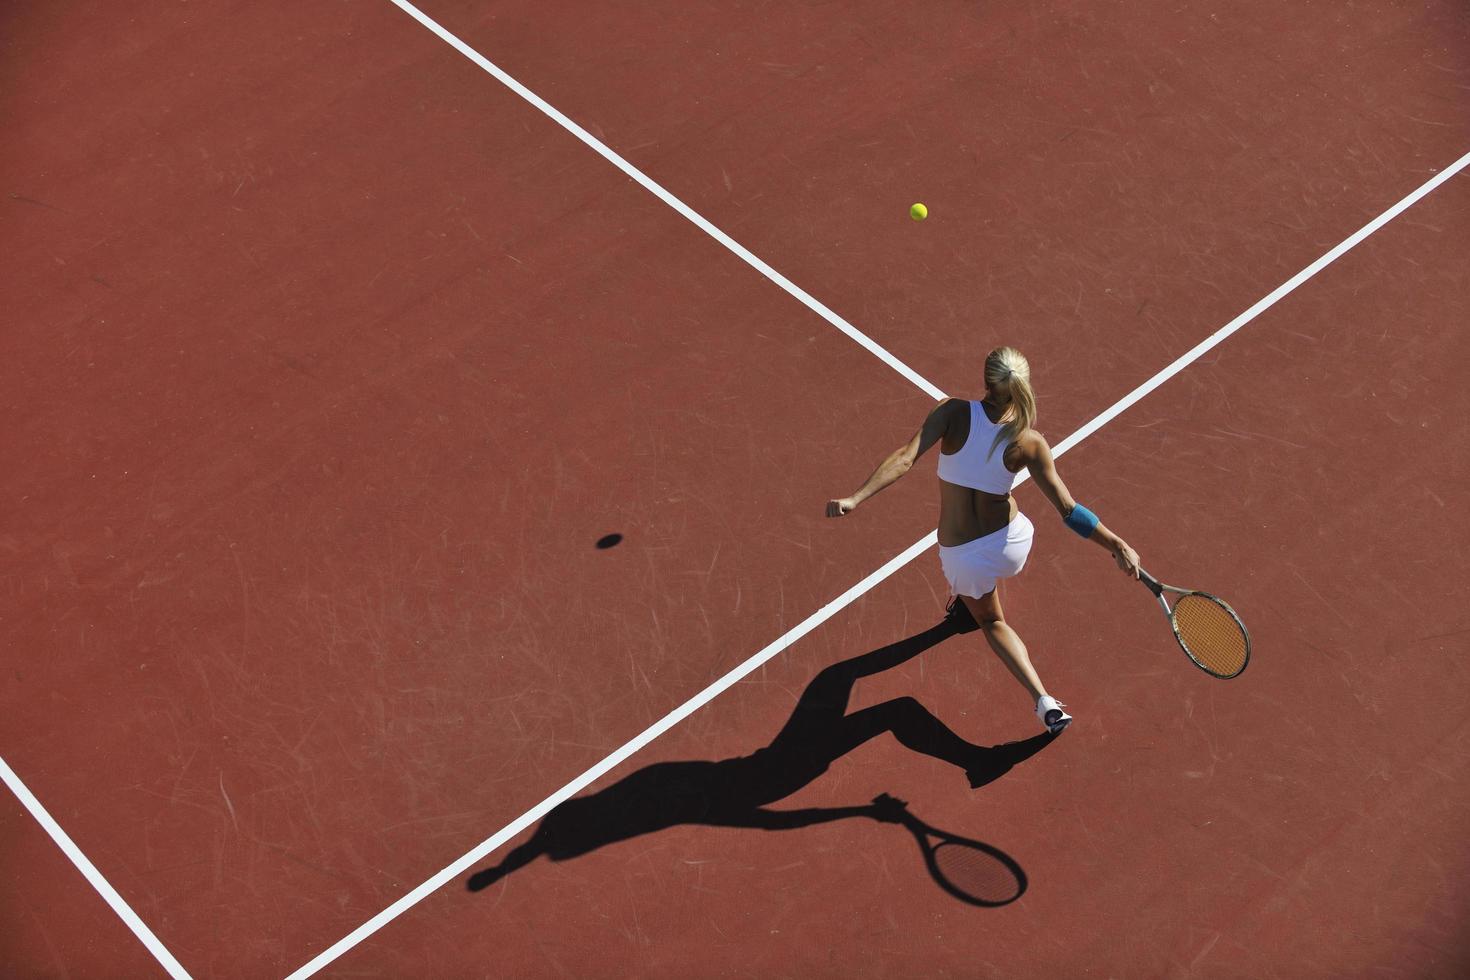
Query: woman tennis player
{"x": 983, "y": 536}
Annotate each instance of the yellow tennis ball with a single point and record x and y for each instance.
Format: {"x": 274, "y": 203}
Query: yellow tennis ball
{"x": 918, "y": 212}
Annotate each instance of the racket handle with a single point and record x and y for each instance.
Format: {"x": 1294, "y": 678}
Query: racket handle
{"x": 1153, "y": 584}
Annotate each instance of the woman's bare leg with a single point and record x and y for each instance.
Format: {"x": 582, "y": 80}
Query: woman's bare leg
{"x": 1005, "y": 641}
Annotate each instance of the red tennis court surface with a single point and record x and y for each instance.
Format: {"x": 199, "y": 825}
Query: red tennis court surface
{"x": 328, "y": 360}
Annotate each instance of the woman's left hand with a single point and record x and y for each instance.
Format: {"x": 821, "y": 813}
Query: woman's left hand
{"x": 837, "y": 508}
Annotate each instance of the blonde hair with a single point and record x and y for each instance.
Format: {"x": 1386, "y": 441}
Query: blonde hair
{"x": 1008, "y": 376}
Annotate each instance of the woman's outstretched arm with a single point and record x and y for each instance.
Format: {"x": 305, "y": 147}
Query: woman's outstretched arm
{"x": 884, "y": 809}
{"x": 1037, "y": 455}
{"x": 900, "y": 461}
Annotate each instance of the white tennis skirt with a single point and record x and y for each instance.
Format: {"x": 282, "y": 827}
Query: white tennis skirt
{"x": 974, "y": 567}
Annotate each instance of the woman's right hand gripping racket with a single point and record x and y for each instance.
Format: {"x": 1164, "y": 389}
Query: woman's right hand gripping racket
{"x": 1208, "y": 630}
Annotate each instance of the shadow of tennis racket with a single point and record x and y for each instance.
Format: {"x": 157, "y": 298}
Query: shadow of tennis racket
{"x": 740, "y": 791}
{"x": 972, "y": 871}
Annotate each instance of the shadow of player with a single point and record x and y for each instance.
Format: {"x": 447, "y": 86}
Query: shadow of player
{"x": 736, "y": 792}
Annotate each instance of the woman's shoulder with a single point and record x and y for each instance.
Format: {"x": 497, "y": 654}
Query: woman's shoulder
{"x": 956, "y": 413}
{"x": 1032, "y": 439}
{"x": 1031, "y": 446}
{"x": 1017, "y": 454}
{"x": 1031, "y": 442}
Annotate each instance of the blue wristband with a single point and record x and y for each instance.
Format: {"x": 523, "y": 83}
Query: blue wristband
{"x": 1081, "y": 520}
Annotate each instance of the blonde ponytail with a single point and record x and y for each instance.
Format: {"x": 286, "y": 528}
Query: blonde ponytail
{"x": 1008, "y": 376}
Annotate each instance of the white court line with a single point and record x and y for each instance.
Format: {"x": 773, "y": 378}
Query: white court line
{"x": 172, "y": 966}
{"x": 672, "y": 201}
{"x": 90, "y": 872}
{"x": 1265, "y": 304}
{"x": 832, "y": 608}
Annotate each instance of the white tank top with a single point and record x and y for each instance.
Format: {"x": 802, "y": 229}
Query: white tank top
{"x": 969, "y": 467}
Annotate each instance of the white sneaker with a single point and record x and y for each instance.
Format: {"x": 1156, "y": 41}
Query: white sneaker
{"x": 1049, "y": 710}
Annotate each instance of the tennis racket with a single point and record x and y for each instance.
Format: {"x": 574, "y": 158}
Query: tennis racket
{"x": 971, "y": 871}
{"x": 1208, "y": 631}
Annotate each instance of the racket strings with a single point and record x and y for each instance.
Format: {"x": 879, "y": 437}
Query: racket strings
{"x": 981, "y": 877}
{"x": 1211, "y": 634}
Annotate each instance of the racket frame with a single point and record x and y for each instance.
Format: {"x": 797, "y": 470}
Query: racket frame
{"x": 931, "y": 840}
{"x": 1159, "y": 588}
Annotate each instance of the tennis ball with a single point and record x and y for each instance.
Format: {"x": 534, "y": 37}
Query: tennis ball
{"x": 918, "y": 212}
